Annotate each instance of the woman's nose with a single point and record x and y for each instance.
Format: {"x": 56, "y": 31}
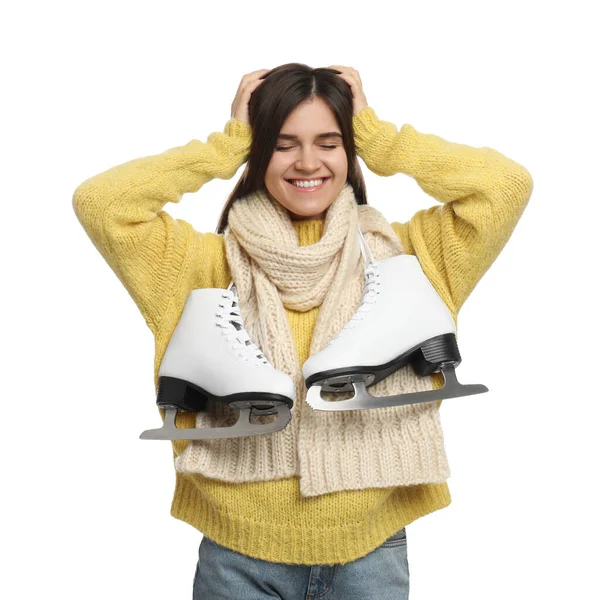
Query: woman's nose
{"x": 308, "y": 161}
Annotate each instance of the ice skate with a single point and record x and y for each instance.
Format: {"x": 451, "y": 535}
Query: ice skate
{"x": 210, "y": 355}
{"x": 401, "y": 319}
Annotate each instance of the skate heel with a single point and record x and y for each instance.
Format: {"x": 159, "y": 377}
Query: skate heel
{"x": 434, "y": 352}
{"x": 174, "y": 392}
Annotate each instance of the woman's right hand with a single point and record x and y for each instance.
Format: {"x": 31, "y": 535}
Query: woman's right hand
{"x": 249, "y": 82}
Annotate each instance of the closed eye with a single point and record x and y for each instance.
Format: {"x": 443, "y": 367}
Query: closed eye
{"x": 282, "y": 148}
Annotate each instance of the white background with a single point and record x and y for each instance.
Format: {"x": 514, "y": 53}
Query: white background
{"x": 91, "y": 85}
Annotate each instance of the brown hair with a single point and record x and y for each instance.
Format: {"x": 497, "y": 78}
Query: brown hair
{"x": 285, "y": 87}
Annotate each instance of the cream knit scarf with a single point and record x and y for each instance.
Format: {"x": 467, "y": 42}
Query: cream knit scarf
{"x": 329, "y": 451}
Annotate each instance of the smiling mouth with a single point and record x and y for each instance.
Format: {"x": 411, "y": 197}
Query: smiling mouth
{"x": 308, "y": 189}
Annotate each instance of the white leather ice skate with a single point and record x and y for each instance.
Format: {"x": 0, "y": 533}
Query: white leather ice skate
{"x": 210, "y": 355}
{"x": 401, "y": 319}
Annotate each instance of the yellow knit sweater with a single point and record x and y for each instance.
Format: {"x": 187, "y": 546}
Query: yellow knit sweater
{"x": 160, "y": 260}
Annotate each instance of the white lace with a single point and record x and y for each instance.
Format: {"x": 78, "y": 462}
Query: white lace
{"x": 371, "y": 289}
{"x": 239, "y": 338}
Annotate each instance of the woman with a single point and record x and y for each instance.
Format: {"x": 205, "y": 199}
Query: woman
{"x": 319, "y": 508}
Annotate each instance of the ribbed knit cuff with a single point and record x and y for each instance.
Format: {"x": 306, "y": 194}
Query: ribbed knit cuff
{"x": 239, "y": 129}
{"x": 366, "y": 125}
{"x": 239, "y": 140}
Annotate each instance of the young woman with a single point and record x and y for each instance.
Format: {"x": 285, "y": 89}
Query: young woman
{"x": 319, "y": 508}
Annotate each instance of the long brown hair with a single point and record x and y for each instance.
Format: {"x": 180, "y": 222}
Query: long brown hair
{"x": 285, "y": 87}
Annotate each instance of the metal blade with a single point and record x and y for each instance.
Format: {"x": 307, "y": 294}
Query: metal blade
{"x": 241, "y": 428}
{"x": 362, "y": 399}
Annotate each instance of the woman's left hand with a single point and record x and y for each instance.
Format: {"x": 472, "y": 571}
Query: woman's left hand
{"x": 352, "y": 77}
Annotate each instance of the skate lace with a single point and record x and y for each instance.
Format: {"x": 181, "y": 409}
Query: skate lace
{"x": 372, "y": 276}
{"x": 231, "y": 322}
{"x": 371, "y": 291}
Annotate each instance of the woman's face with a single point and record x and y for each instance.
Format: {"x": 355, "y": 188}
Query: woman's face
{"x": 301, "y": 154}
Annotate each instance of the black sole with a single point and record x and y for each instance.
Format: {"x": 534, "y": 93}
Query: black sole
{"x": 190, "y": 397}
{"x": 426, "y": 357}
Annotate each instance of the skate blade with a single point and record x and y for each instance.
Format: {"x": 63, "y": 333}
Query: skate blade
{"x": 362, "y": 399}
{"x": 241, "y": 428}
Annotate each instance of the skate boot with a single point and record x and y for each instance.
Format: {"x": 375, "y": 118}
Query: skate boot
{"x": 401, "y": 319}
{"x": 210, "y": 355}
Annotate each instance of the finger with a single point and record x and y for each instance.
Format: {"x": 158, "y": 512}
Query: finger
{"x": 246, "y": 88}
{"x": 349, "y": 78}
{"x": 249, "y": 89}
{"x": 250, "y": 85}
{"x": 346, "y": 70}
{"x": 253, "y": 75}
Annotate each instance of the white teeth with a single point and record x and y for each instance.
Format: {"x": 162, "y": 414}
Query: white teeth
{"x": 313, "y": 183}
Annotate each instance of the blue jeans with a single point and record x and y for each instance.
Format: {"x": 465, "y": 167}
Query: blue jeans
{"x": 223, "y": 574}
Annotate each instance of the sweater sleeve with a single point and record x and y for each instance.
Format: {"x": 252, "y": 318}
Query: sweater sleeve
{"x": 483, "y": 194}
{"x": 121, "y": 211}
